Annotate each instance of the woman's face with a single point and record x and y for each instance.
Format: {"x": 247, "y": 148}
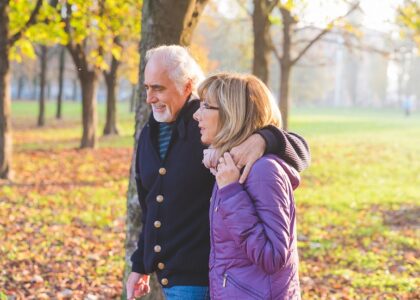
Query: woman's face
{"x": 207, "y": 117}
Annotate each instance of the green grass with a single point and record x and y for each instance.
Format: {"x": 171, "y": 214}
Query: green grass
{"x": 71, "y": 110}
{"x": 365, "y": 171}
{"x": 358, "y": 207}
{"x": 66, "y": 133}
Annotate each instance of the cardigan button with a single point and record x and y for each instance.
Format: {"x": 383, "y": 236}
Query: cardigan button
{"x": 157, "y": 248}
{"x": 159, "y": 198}
{"x": 164, "y": 281}
{"x": 162, "y": 171}
{"x": 157, "y": 224}
{"x": 161, "y": 266}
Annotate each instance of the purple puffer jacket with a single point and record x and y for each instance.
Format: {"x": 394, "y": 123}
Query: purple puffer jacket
{"x": 253, "y": 235}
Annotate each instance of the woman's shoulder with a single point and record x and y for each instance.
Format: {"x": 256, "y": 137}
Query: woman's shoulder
{"x": 271, "y": 167}
{"x": 265, "y": 164}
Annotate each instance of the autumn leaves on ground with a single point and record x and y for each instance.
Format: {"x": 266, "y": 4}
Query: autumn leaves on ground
{"x": 62, "y": 217}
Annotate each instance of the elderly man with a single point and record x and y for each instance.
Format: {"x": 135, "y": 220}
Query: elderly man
{"x": 174, "y": 187}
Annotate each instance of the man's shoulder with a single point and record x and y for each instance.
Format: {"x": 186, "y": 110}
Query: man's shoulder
{"x": 144, "y": 131}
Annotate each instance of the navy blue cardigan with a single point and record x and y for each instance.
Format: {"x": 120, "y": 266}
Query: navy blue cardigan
{"x": 174, "y": 196}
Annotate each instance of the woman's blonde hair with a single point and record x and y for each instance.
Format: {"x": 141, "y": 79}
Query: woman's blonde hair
{"x": 245, "y": 106}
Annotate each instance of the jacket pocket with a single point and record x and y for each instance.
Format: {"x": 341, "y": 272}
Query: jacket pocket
{"x": 230, "y": 280}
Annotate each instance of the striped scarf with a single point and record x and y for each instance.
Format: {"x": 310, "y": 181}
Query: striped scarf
{"x": 165, "y": 131}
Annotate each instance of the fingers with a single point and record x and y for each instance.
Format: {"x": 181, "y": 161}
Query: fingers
{"x": 135, "y": 285}
{"x": 228, "y": 159}
{"x": 213, "y": 171}
{"x": 236, "y": 159}
{"x": 245, "y": 173}
{"x": 210, "y": 158}
{"x": 141, "y": 290}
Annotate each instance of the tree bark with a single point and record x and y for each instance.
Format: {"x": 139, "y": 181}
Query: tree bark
{"x": 5, "y": 119}
{"x": 285, "y": 66}
{"x": 284, "y": 94}
{"x": 133, "y": 98}
{"x": 262, "y": 40}
{"x": 111, "y": 99}
{"x": 89, "y": 83}
{"x": 163, "y": 22}
{"x": 62, "y": 63}
{"x": 42, "y": 75}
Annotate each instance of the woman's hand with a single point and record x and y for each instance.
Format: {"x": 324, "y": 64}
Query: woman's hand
{"x": 227, "y": 171}
{"x": 210, "y": 159}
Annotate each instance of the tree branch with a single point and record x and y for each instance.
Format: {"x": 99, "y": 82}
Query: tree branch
{"x": 276, "y": 52}
{"x": 32, "y": 20}
{"x": 241, "y": 5}
{"x": 273, "y": 4}
{"x": 3, "y": 4}
{"x": 322, "y": 33}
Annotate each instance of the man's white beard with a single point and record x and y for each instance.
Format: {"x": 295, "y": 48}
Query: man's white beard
{"x": 162, "y": 116}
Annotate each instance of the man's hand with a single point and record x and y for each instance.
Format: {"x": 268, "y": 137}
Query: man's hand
{"x": 137, "y": 285}
{"x": 227, "y": 171}
{"x": 245, "y": 154}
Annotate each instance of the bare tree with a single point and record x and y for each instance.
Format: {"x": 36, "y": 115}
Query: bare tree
{"x": 286, "y": 58}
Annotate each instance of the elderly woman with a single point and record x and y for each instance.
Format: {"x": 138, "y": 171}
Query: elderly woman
{"x": 253, "y": 225}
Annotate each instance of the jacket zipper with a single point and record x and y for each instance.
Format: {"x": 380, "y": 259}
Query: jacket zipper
{"x": 240, "y": 286}
{"x": 212, "y": 203}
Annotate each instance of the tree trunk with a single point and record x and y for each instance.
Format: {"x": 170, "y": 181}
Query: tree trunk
{"x": 111, "y": 99}
{"x": 5, "y": 122}
{"x": 285, "y": 66}
{"x": 34, "y": 87}
{"x": 89, "y": 83}
{"x": 60, "y": 82}
{"x": 133, "y": 98}
{"x": 42, "y": 75}
{"x": 284, "y": 94}
{"x": 163, "y": 22}
{"x": 262, "y": 41}
{"x": 21, "y": 81}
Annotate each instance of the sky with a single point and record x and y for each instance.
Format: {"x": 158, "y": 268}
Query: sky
{"x": 377, "y": 14}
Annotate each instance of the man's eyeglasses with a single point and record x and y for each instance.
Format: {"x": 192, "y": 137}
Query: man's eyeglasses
{"x": 205, "y": 105}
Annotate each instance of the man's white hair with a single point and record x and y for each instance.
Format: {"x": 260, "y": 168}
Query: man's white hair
{"x": 180, "y": 65}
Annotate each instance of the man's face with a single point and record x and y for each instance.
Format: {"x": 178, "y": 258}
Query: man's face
{"x": 162, "y": 94}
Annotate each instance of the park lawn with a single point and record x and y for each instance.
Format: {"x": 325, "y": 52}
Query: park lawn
{"x": 358, "y": 206}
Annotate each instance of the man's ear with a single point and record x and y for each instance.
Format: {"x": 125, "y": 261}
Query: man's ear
{"x": 188, "y": 87}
